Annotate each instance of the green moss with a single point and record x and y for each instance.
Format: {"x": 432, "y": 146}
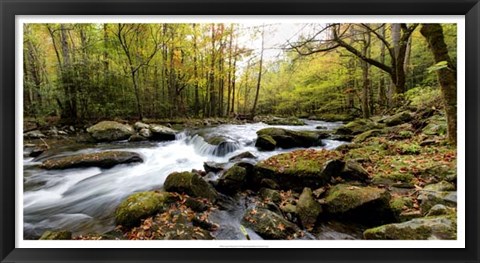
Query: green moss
{"x": 365, "y": 135}
{"x": 299, "y": 162}
{"x": 408, "y": 148}
{"x": 398, "y": 203}
{"x": 140, "y": 205}
{"x": 342, "y": 197}
{"x": 393, "y": 178}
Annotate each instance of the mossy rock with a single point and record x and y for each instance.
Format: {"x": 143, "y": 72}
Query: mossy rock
{"x": 141, "y": 205}
{"x": 162, "y": 133}
{"x": 397, "y": 179}
{"x": 287, "y": 138}
{"x": 308, "y": 209}
{"x": 399, "y": 118}
{"x": 368, "y": 205}
{"x": 428, "y": 199}
{"x": 106, "y": 159}
{"x": 140, "y": 125}
{"x": 233, "y": 180}
{"x": 191, "y": 184}
{"x": 56, "y": 235}
{"x": 270, "y": 194}
{"x": 298, "y": 169}
{"x": 110, "y": 131}
{"x": 441, "y": 186}
{"x": 265, "y": 143}
{"x": 269, "y": 225}
{"x": 438, "y": 173}
{"x": 357, "y": 126}
{"x": 441, "y": 227}
{"x": 399, "y": 203}
{"x": 365, "y": 135}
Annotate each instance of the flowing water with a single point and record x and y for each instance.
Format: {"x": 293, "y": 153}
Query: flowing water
{"x": 83, "y": 200}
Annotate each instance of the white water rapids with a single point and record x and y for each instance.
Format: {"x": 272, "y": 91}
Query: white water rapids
{"x": 83, "y": 200}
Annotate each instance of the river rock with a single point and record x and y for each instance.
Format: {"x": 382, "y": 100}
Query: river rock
{"x": 428, "y": 199}
{"x": 399, "y": 118}
{"x": 183, "y": 231}
{"x": 441, "y": 186}
{"x": 141, "y": 205}
{"x": 298, "y": 169}
{"x": 265, "y": 143}
{"x": 270, "y": 194}
{"x": 213, "y": 167}
{"x": 286, "y": 138}
{"x": 269, "y": 225}
{"x": 106, "y": 159}
{"x": 36, "y": 134}
{"x": 110, "y": 131}
{"x": 438, "y": 210}
{"x": 354, "y": 171}
{"x": 140, "y": 125}
{"x": 146, "y": 133}
{"x": 233, "y": 180}
{"x": 191, "y": 184}
{"x": 308, "y": 209}
{"x": 356, "y": 127}
{"x": 136, "y": 138}
{"x": 442, "y": 227}
{"x": 437, "y": 125}
{"x": 56, "y": 235}
{"x": 244, "y": 155}
{"x": 224, "y": 145}
{"x": 369, "y": 205}
{"x": 365, "y": 135}
{"x": 162, "y": 133}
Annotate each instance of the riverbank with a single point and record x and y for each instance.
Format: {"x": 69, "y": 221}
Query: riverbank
{"x": 395, "y": 174}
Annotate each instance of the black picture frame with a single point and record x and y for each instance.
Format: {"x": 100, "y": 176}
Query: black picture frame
{"x": 11, "y": 8}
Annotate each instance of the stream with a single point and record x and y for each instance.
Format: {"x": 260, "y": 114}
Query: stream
{"x": 83, "y": 200}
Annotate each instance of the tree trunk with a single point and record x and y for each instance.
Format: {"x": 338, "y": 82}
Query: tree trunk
{"x": 259, "y": 75}
{"x": 382, "y": 96}
{"x": 446, "y": 76}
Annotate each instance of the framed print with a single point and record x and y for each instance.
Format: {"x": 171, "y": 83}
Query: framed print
{"x": 197, "y": 131}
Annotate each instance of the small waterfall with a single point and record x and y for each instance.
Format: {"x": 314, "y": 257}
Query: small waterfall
{"x": 204, "y": 148}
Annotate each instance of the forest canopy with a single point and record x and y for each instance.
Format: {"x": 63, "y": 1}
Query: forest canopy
{"x": 80, "y": 72}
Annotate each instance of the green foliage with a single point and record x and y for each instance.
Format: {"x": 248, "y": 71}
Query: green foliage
{"x": 424, "y": 97}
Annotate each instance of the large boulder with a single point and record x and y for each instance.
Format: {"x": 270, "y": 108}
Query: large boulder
{"x": 162, "y": 133}
{"x": 287, "y": 138}
{"x": 141, "y": 205}
{"x": 298, "y": 169}
{"x": 308, "y": 209}
{"x": 399, "y": 118}
{"x": 191, "y": 184}
{"x": 110, "y": 131}
{"x": 441, "y": 227}
{"x": 233, "y": 180}
{"x": 356, "y": 127}
{"x": 269, "y": 225}
{"x": 106, "y": 159}
{"x": 265, "y": 143}
{"x": 368, "y": 205}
